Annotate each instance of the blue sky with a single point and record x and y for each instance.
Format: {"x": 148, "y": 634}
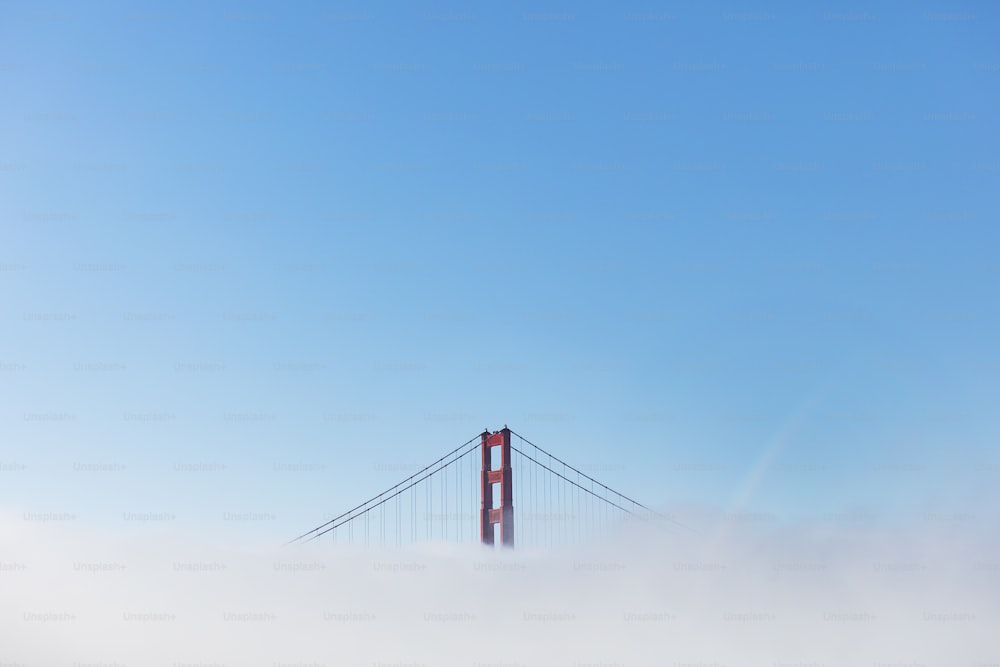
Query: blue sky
{"x": 739, "y": 256}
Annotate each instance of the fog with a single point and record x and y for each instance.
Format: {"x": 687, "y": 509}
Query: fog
{"x": 735, "y": 591}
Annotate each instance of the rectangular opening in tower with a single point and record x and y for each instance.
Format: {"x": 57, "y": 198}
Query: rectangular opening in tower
{"x": 496, "y": 495}
{"x": 496, "y": 458}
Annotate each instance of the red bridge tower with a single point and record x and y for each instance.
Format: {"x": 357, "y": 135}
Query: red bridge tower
{"x": 503, "y": 514}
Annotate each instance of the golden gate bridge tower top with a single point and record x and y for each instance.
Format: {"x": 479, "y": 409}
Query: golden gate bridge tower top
{"x": 497, "y": 481}
{"x": 464, "y": 497}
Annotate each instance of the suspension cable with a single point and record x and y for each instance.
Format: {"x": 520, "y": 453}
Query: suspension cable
{"x": 374, "y": 498}
{"x": 382, "y": 502}
{"x": 570, "y": 481}
{"x": 556, "y": 458}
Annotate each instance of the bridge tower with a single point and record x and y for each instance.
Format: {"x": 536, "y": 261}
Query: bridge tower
{"x": 503, "y": 514}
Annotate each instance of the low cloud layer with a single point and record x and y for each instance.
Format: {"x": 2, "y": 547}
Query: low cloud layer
{"x": 730, "y": 594}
